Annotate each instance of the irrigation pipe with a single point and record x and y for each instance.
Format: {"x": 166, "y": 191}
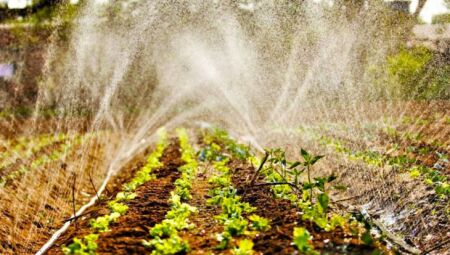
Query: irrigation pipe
{"x": 66, "y": 225}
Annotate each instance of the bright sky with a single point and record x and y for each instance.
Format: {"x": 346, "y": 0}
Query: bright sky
{"x": 432, "y": 7}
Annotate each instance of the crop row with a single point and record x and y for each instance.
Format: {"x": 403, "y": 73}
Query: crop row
{"x": 431, "y": 176}
{"x": 236, "y": 217}
{"x": 88, "y": 244}
{"x": 286, "y": 182}
{"x": 26, "y": 147}
{"x": 165, "y": 235}
{"x": 60, "y": 152}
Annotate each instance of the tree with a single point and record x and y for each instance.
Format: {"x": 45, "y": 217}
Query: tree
{"x": 419, "y": 8}
{"x": 6, "y": 13}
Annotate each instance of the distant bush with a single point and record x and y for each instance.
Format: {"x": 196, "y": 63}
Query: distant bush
{"x": 418, "y": 73}
{"x": 441, "y": 19}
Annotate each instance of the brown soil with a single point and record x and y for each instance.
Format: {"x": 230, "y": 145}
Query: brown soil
{"x": 284, "y": 217}
{"x": 148, "y": 208}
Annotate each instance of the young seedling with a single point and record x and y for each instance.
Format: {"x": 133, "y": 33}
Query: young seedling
{"x": 245, "y": 247}
{"x": 302, "y": 241}
{"x": 308, "y": 161}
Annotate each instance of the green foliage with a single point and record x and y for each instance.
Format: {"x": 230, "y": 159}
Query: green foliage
{"x": 259, "y": 223}
{"x": 431, "y": 176}
{"x": 302, "y": 241}
{"x": 117, "y": 207}
{"x": 183, "y": 187}
{"x": 232, "y": 207}
{"x": 245, "y": 247}
{"x": 165, "y": 229}
{"x": 188, "y": 154}
{"x": 233, "y": 211}
{"x": 441, "y": 18}
{"x": 235, "y": 226}
{"x": 101, "y": 224}
{"x": 86, "y": 246}
{"x": 167, "y": 246}
{"x": 26, "y": 148}
{"x": 212, "y": 151}
{"x": 220, "y": 180}
{"x": 176, "y": 219}
{"x": 280, "y": 170}
{"x": 165, "y": 234}
{"x": 125, "y": 196}
{"x": 224, "y": 239}
{"x": 221, "y": 193}
{"x": 417, "y": 73}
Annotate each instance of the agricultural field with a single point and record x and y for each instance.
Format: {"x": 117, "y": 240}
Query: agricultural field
{"x": 217, "y": 198}
{"x": 200, "y": 191}
{"x": 241, "y": 127}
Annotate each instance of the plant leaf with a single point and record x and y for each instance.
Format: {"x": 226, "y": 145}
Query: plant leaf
{"x": 295, "y": 164}
{"x": 323, "y": 200}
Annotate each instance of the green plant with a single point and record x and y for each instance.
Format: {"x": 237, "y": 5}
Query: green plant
{"x": 431, "y": 176}
{"x": 417, "y": 73}
{"x": 245, "y": 247}
{"x": 224, "y": 239}
{"x": 167, "y": 246}
{"x": 309, "y": 161}
{"x": 101, "y": 224}
{"x": 86, "y": 246}
{"x": 212, "y": 150}
{"x": 302, "y": 241}
{"x": 125, "y": 196}
{"x": 117, "y": 207}
{"x": 165, "y": 234}
{"x": 183, "y": 187}
{"x": 259, "y": 223}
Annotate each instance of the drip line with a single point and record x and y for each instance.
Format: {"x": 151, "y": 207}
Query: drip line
{"x": 66, "y": 225}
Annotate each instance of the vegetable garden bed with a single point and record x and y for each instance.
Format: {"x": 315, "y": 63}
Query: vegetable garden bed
{"x": 214, "y": 200}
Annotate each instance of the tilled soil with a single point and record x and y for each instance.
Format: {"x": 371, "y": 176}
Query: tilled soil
{"x": 148, "y": 208}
